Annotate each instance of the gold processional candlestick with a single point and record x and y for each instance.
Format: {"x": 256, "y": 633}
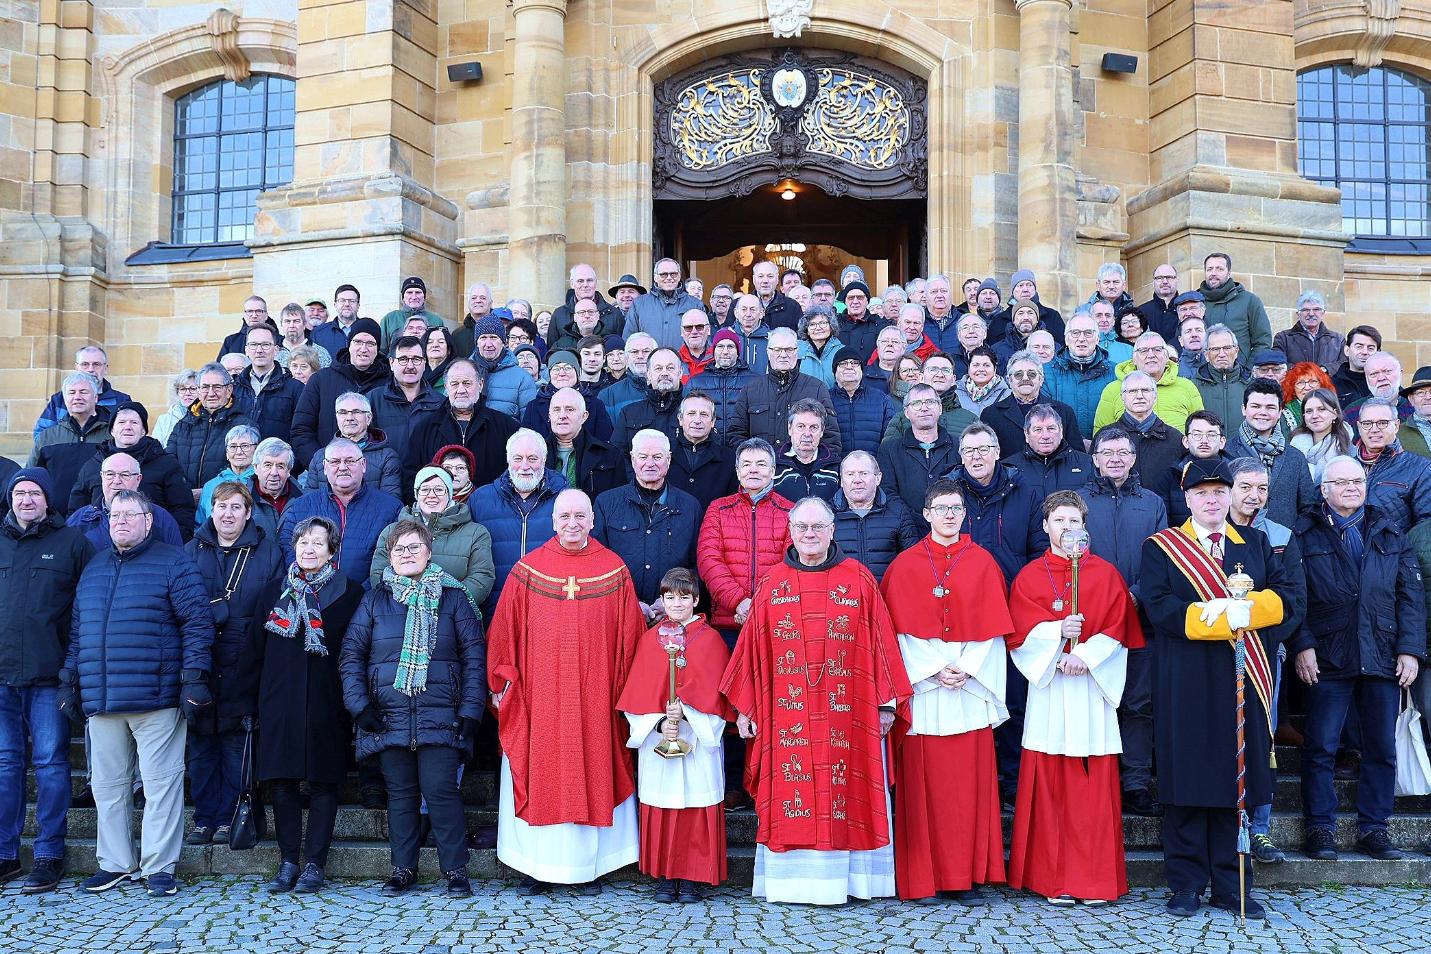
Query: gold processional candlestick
{"x": 673, "y": 640}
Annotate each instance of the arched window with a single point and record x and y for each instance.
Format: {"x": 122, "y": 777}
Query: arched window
{"x": 1365, "y": 131}
{"x": 231, "y": 141}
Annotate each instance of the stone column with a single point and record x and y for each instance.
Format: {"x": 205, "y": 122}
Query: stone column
{"x": 536, "y": 252}
{"x": 1048, "y": 200}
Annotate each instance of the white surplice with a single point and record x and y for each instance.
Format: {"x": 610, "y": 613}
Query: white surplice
{"x": 1072, "y": 715}
{"x": 567, "y": 853}
{"x": 695, "y": 780}
{"x": 939, "y": 710}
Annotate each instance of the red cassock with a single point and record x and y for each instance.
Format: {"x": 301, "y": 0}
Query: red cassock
{"x": 815, "y": 661}
{"x": 684, "y": 843}
{"x": 564, "y": 634}
{"x": 1068, "y": 822}
{"x": 948, "y": 826}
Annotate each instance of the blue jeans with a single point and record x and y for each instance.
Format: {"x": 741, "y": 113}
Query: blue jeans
{"x": 30, "y": 717}
{"x": 1376, "y": 701}
{"x": 215, "y": 767}
{"x": 1261, "y": 815}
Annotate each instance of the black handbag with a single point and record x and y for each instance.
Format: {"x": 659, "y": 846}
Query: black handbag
{"x": 250, "y": 823}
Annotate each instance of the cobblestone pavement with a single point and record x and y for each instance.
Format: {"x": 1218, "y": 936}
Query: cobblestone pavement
{"x": 233, "y": 914}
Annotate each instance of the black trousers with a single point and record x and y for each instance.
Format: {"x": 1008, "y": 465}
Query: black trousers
{"x": 1135, "y": 722}
{"x": 1200, "y": 847}
{"x": 288, "y": 820}
{"x": 429, "y": 773}
{"x": 733, "y": 753}
{"x": 1009, "y": 737}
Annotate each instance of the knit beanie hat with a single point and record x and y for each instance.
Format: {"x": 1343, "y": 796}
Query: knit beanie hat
{"x": 137, "y": 408}
{"x": 37, "y": 476}
{"x": 429, "y": 472}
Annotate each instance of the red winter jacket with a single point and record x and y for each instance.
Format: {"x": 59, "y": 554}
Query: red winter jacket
{"x": 739, "y": 543}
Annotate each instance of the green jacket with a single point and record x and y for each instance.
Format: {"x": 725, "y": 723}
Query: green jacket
{"x": 394, "y": 320}
{"x": 1177, "y": 398}
{"x": 460, "y": 546}
{"x": 1222, "y": 393}
{"x": 952, "y": 420}
{"x": 1241, "y": 311}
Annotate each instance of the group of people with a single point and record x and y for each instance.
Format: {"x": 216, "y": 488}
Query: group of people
{"x": 870, "y": 563}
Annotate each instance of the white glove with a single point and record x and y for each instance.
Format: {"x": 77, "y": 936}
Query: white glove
{"x": 1239, "y": 614}
{"x": 1212, "y": 609}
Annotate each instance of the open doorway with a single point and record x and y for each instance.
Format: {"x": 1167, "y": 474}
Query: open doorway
{"x": 796, "y": 225}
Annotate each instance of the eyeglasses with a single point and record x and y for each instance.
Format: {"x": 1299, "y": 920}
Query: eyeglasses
{"x": 260, "y": 345}
{"x": 803, "y": 528}
{"x": 1117, "y": 454}
{"x": 1219, "y": 349}
{"x": 255, "y": 311}
{"x": 242, "y": 445}
{"x": 212, "y": 387}
{"x": 1164, "y": 278}
{"x": 980, "y": 450}
{"x": 694, "y": 327}
{"x": 345, "y": 301}
{"x": 1374, "y": 425}
{"x": 340, "y": 462}
{"x": 410, "y": 549}
{"x": 945, "y": 510}
{"x": 1204, "y": 435}
{"x": 668, "y": 274}
{"x": 1080, "y": 333}
{"x": 925, "y": 402}
{"x": 120, "y": 474}
{"x": 1152, "y": 349}
{"x": 437, "y": 491}
{"x": 352, "y": 412}
{"x": 126, "y": 516}
{"x": 782, "y": 350}
{"x": 1346, "y": 482}
{"x": 1026, "y": 375}
{"x": 1140, "y": 391}
{"x": 409, "y": 359}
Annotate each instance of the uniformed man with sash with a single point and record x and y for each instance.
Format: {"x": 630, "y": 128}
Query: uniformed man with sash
{"x": 1199, "y": 716}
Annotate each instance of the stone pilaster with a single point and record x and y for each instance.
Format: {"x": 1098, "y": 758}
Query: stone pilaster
{"x": 536, "y": 251}
{"x": 52, "y": 265}
{"x": 1223, "y": 101}
{"x": 1048, "y": 193}
{"x": 362, "y": 206}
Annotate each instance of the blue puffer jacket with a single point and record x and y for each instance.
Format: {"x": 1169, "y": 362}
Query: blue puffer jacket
{"x": 360, "y": 523}
{"x": 517, "y": 526}
{"x": 650, "y": 538}
{"x": 508, "y": 388}
{"x": 863, "y": 416}
{"x": 613, "y": 397}
{"x": 456, "y": 673}
{"x": 271, "y": 409}
{"x": 198, "y": 440}
{"x": 723, "y": 386}
{"x": 1078, "y": 384}
{"x": 140, "y": 626}
{"x": 879, "y": 536}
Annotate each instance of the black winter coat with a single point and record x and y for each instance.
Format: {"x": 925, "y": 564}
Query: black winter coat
{"x": 456, "y": 674}
{"x": 198, "y": 441}
{"x": 1360, "y": 618}
{"x": 861, "y": 336}
{"x": 1005, "y": 517}
{"x": 40, "y": 569}
{"x": 649, "y": 537}
{"x": 1158, "y": 448}
{"x": 1007, "y": 418}
{"x": 863, "y": 416}
{"x": 297, "y": 696}
{"x": 1399, "y": 484}
{"x": 315, "y": 420}
{"x": 8, "y": 469}
{"x": 599, "y": 465}
{"x": 485, "y": 436}
{"x": 657, "y": 410}
{"x": 782, "y": 312}
{"x": 906, "y": 469}
{"x": 764, "y": 407}
{"x": 162, "y": 481}
{"x": 705, "y": 471}
{"x": 141, "y": 626}
{"x": 879, "y": 536}
{"x": 795, "y": 480}
{"x": 394, "y": 413}
{"x": 537, "y": 414}
{"x": 271, "y": 409}
{"x": 1064, "y": 469}
{"x": 1001, "y": 325}
{"x": 235, "y": 577}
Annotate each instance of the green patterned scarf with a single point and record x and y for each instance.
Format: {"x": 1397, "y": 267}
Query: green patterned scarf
{"x": 419, "y": 636}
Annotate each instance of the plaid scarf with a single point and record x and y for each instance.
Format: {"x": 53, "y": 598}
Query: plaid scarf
{"x": 419, "y": 636}
{"x": 1268, "y": 448}
{"x": 298, "y": 607}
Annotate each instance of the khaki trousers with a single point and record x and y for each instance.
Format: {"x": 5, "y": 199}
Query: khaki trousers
{"x": 156, "y": 740}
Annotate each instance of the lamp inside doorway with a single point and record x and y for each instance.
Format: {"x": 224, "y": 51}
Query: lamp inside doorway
{"x": 789, "y": 192}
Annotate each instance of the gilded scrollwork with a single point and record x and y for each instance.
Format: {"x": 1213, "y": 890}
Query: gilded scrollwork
{"x": 720, "y": 119}
{"x": 857, "y": 118}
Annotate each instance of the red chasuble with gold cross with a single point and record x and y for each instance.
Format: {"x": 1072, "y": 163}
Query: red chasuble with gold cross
{"x": 564, "y": 634}
{"x": 815, "y": 661}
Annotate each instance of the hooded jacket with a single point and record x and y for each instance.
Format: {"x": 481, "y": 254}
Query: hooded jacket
{"x": 460, "y": 545}
{"x": 384, "y": 466}
{"x": 199, "y": 438}
{"x": 1242, "y": 312}
{"x": 509, "y": 388}
{"x": 162, "y": 481}
{"x": 64, "y": 449}
{"x": 40, "y": 568}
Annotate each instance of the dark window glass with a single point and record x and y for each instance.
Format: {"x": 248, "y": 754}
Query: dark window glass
{"x": 1365, "y": 131}
{"x": 231, "y": 141}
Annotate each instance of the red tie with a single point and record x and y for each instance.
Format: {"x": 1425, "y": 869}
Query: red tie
{"x": 1215, "y": 539}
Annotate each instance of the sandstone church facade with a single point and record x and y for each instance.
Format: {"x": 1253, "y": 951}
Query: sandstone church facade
{"x": 161, "y": 162}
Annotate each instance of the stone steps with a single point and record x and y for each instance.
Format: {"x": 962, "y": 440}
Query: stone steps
{"x": 369, "y": 860}
{"x": 356, "y": 824}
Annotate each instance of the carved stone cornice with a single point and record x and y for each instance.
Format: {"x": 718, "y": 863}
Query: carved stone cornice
{"x": 1381, "y": 17}
{"x": 223, "y": 29}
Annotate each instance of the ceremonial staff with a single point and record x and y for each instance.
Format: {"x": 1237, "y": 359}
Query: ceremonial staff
{"x": 1239, "y": 584}
{"x": 673, "y": 641}
{"x": 1075, "y": 544}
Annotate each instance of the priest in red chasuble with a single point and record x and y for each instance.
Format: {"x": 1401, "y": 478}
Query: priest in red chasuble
{"x": 947, "y": 599}
{"x": 1068, "y": 822}
{"x": 817, "y": 682}
{"x": 558, "y": 652}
